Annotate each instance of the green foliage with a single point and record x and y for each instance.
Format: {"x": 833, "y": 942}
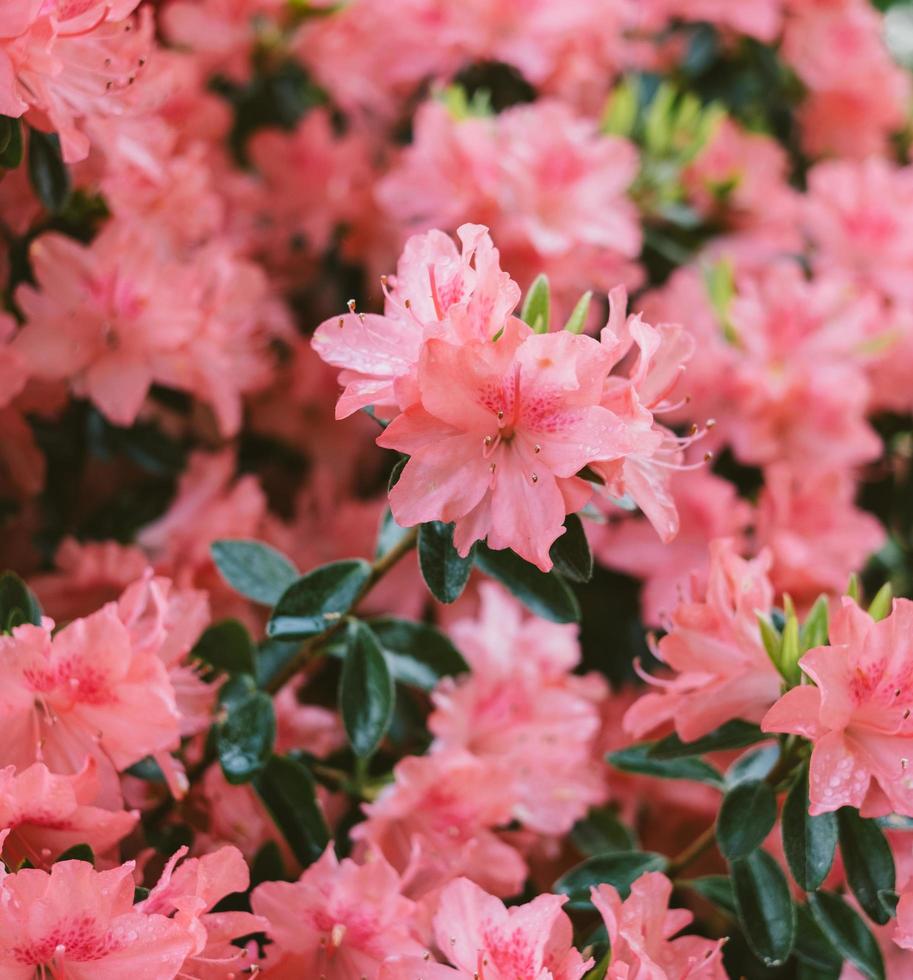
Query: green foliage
{"x": 444, "y": 571}
{"x": 254, "y": 569}
{"x": 317, "y": 601}
{"x": 765, "y": 907}
{"x": 747, "y": 815}
{"x": 537, "y": 305}
{"x": 18, "y": 605}
{"x": 868, "y": 863}
{"x": 544, "y": 593}
{"x": 847, "y": 933}
{"x": 227, "y": 647}
{"x": 571, "y": 552}
{"x": 417, "y": 654}
{"x": 287, "y": 788}
{"x": 48, "y": 173}
{"x": 808, "y": 842}
{"x": 640, "y": 759}
{"x": 365, "y": 690}
{"x": 618, "y": 868}
{"x": 244, "y": 737}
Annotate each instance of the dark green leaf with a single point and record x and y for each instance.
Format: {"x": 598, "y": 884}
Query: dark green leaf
{"x": 78, "y": 852}
{"x": 272, "y": 658}
{"x": 753, "y": 765}
{"x": 444, "y": 571}
{"x": 319, "y": 599}
{"x": 808, "y": 842}
{"x": 747, "y": 815}
{"x": 48, "y": 173}
{"x": 716, "y": 889}
{"x": 417, "y": 654}
{"x": 867, "y": 860}
{"x": 618, "y": 868}
{"x": 847, "y": 933}
{"x": 227, "y": 647}
{"x": 11, "y": 155}
{"x": 7, "y": 125}
{"x": 640, "y": 759}
{"x": 147, "y": 769}
{"x": 254, "y": 569}
{"x": 765, "y": 907}
{"x": 571, "y": 552}
{"x": 17, "y": 603}
{"x": 536, "y": 305}
{"x": 600, "y": 832}
{"x": 389, "y": 534}
{"x": 547, "y": 595}
{"x": 287, "y": 788}
{"x": 267, "y": 865}
{"x": 734, "y": 734}
{"x": 396, "y": 472}
{"x": 366, "y": 693}
{"x": 244, "y": 740}
{"x": 814, "y": 948}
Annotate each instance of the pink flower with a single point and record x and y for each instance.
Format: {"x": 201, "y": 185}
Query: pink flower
{"x": 500, "y": 432}
{"x": 437, "y": 822}
{"x": 81, "y": 923}
{"x": 722, "y": 670}
{"x": 521, "y": 711}
{"x": 857, "y": 713}
{"x": 66, "y": 62}
{"x": 482, "y": 938}
{"x": 339, "y": 920}
{"x": 104, "y": 316}
{"x": 814, "y": 533}
{"x": 187, "y": 891}
{"x": 708, "y": 507}
{"x": 47, "y": 814}
{"x": 641, "y": 931}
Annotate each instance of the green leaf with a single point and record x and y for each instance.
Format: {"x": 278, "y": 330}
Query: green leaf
{"x": 814, "y": 629}
{"x": 747, "y": 815}
{"x": 813, "y": 948}
{"x": 764, "y": 906}
{"x": 227, "y": 647}
{"x": 389, "y": 534}
{"x": 254, "y": 569}
{"x": 244, "y": 739}
{"x": 847, "y": 933}
{"x": 48, "y": 173}
{"x": 868, "y": 862}
{"x": 272, "y": 658}
{"x": 618, "y": 868}
{"x": 536, "y": 305}
{"x": 808, "y": 842}
{"x": 148, "y": 769}
{"x": 78, "y": 852}
{"x": 735, "y": 734}
{"x": 289, "y": 792}
{"x": 444, "y": 571}
{"x": 756, "y": 764}
{"x": 17, "y": 603}
{"x": 417, "y": 654}
{"x": 640, "y": 759}
{"x": 771, "y": 638}
{"x": 366, "y": 693}
{"x": 11, "y": 155}
{"x": 716, "y": 889}
{"x": 601, "y": 832}
{"x": 319, "y": 599}
{"x": 577, "y": 320}
{"x": 881, "y": 604}
{"x": 545, "y": 594}
{"x": 571, "y": 552}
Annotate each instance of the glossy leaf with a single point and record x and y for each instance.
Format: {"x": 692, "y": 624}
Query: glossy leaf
{"x": 868, "y": 862}
{"x": 366, "y": 693}
{"x": 571, "y": 552}
{"x": 288, "y": 789}
{"x": 618, "y": 868}
{"x": 747, "y": 815}
{"x": 640, "y": 759}
{"x": 254, "y": 569}
{"x": 600, "y": 832}
{"x": 244, "y": 739}
{"x": 417, "y": 654}
{"x": 847, "y": 933}
{"x": 227, "y": 647}
{"x": 48, "y": 173}
{"x": 545, "y": 594}
{"x": 765, "y": 907}
{"x": 808, "y": 842}
{"x": 78, "y": 852}
{"x": 813, "y": 948}
{"x": 444, "y": 571}
{"x": 716, "y": 889}
{"x": 736, "y": 734}
{"x": 318, "y": 600}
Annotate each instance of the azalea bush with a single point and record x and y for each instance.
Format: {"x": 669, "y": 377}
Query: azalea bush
{"x": 456, "y": 474}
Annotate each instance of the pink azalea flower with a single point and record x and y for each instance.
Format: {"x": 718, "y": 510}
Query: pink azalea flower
{"x": 187, "y": 891}
{"x": 521, "y": 711}
{"x": 708, "y": 507}
{"x": 722, "y": 670}
{"x": 47, "y": 814}
{"x": 482, "y": 938}
{"x": 437, "y": 822}
{"x": 857, "y": 713}
{"x": 641, "y": 931}
{"x": 500, "y": 432}
{"x": 813, "y": 531}
{"x": 78, "y": 922}
{"x": 339, "y": 920}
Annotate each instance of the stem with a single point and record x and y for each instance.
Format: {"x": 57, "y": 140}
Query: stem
{"x": 379, "y": 569}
